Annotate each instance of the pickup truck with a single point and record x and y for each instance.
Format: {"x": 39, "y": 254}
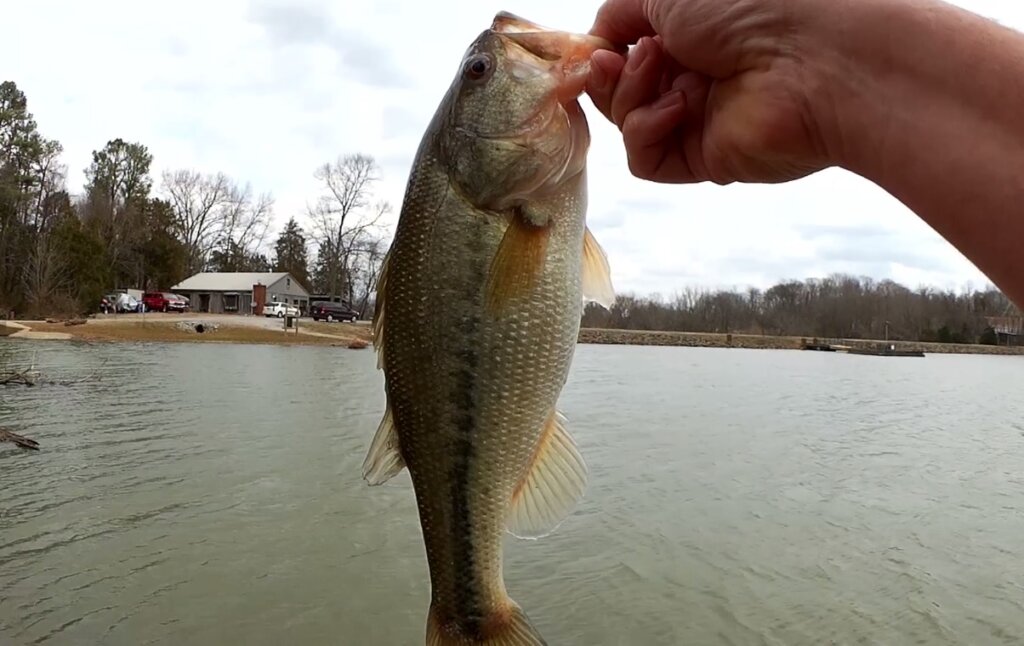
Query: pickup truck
{"x": 164, "y": 302}
{"x": 280, "y": 310}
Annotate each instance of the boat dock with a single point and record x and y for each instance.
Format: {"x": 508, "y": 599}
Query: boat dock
{"x": 874, "y": 349}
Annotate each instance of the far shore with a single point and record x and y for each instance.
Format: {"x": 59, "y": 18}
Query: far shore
{"x": 767, "y": 342}
{"x": 226, "y": 328}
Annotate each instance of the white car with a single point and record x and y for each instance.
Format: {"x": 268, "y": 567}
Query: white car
{"x": 280, "y": 310}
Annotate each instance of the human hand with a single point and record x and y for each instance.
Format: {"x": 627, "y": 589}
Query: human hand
{"x": 715, "y": 90}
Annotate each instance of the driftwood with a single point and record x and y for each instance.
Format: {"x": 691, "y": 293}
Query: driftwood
{"x": 31, "y": 377}
{"x": 22, "y": 378}
{"x": 20, "y": 440}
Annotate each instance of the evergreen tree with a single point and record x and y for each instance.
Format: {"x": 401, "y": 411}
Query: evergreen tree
{"x": 290, "y": 253}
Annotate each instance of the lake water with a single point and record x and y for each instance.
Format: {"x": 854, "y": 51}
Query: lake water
{"x": 210, "y": 494}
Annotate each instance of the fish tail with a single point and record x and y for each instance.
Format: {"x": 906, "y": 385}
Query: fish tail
{"x": 511, "y": 628}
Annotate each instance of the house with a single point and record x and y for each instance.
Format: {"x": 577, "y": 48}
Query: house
{"x": 1009, "y": 330}
{"x": 241, "y": 292}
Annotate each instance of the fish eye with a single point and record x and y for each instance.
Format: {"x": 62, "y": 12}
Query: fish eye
{"x": 478, "y": 67}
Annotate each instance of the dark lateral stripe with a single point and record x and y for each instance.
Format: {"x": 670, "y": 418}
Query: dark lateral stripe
{"x": 464, "y": 399}
{"x": 467, "y": 596}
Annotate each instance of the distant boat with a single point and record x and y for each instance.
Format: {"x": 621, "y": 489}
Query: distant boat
{"x": 886, "y": 350}
{"x": 879, "y": 349}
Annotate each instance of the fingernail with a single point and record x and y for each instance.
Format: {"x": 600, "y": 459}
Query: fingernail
{"x": 637, "y": 56}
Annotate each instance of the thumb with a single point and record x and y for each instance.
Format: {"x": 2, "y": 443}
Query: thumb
{"x": 712, "y": 37}
{"x": 623, "y": 22}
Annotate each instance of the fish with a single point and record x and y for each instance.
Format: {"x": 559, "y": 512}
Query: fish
{"x": 476, "y": 319}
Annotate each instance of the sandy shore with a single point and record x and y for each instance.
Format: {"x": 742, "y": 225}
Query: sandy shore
{"x": 183, "y": 328}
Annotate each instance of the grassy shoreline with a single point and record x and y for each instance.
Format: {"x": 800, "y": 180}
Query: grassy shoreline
{"x": 166, "y": 329}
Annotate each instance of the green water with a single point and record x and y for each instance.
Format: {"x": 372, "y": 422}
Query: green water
{"x": 198, "y": 494}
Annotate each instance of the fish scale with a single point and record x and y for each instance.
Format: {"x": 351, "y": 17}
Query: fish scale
{"x": 478, "y": 314}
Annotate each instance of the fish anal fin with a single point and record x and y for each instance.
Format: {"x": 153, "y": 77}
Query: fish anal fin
{"x": 517, "y": 263}
{"x": 510, "y": 627}
{"x": 596, "y": 279}
{"x": 384, "y": 459}
{"x": 552, "y": 486}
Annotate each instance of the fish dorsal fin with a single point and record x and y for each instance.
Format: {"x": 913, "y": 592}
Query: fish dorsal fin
{"x": 383, "y": 460}
{"x": 596, "y": 273}
{"x": 554, "y": 483}
{"x": 518, "y": 262}
{"x": 378, "y": 312}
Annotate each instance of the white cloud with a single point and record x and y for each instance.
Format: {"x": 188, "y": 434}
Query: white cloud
{"x": 268, "y": 90}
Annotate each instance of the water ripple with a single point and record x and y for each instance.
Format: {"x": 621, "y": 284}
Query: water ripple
{"x": 212, "y": 494}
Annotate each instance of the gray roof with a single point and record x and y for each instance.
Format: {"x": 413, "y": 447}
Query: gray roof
{"x": 241, "y": 281}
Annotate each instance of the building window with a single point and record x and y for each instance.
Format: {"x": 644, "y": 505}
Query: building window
{"x": 230, "y": 302}
{"x": 288, "y": 281}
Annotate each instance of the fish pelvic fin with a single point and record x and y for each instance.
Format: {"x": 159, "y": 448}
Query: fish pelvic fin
{"x": 510, "y": 628}
{"x": 596, "y": 273}
{"x": 384, "y": 459}
{"x": 518, "y": 262}
{"x": 378, "y": 311}
{"x": 553, "y": 484}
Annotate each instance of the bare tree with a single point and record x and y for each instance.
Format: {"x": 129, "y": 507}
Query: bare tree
{"x": 197, "y": 200}
{"x": 44, "y": 276}
{"x": 212, "y": 213}
{"x": 346, "y": 224}
{"x": 837, "y": 306}
{"x": 366, "y": 271}
{"x": 245, "y": 220}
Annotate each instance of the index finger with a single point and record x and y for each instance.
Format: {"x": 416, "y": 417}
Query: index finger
{"x": 623, "y": 22}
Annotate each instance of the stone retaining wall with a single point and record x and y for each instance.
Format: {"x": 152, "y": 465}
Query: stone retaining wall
{"x": 754, "y": 342}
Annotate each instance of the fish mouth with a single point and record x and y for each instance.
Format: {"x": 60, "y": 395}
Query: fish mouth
{"x": 506, "y": 22}
{"x": 539, "y": 49}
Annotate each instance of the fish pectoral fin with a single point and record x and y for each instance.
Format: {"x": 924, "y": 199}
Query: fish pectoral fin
{"x": 517, "y": 263}
{"x": 596, "y": 273}
{"x": 554, "y": 483}
{"x": 384, "y": 460}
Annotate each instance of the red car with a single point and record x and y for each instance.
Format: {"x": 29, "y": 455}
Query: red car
{"x": 164, "y": 302}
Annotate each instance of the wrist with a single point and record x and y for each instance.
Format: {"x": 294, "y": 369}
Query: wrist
{"x": 853, "y": 75}
{"x": 923, "y": 99}
{"x": 886, "y": 71}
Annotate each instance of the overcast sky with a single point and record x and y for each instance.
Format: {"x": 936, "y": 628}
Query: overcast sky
{"x": 266, "y": 90}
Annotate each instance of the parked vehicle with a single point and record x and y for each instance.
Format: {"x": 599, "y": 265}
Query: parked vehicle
{"x": 178, "y": 303}
{"x": 164, "y": 302}
{"x": 126, "y": 303}
{"x": 118, "y": 302}
{"x": 280, "y": 310}
{"x": 107, "y": 303}
{"x": 331, "y": 312}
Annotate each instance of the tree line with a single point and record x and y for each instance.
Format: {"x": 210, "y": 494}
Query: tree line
{"x": 61, "y": 251}
{"x": 837, "y": 307}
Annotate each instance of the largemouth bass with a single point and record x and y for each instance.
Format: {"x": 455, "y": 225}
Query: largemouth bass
{"x": 477, "y": 314}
